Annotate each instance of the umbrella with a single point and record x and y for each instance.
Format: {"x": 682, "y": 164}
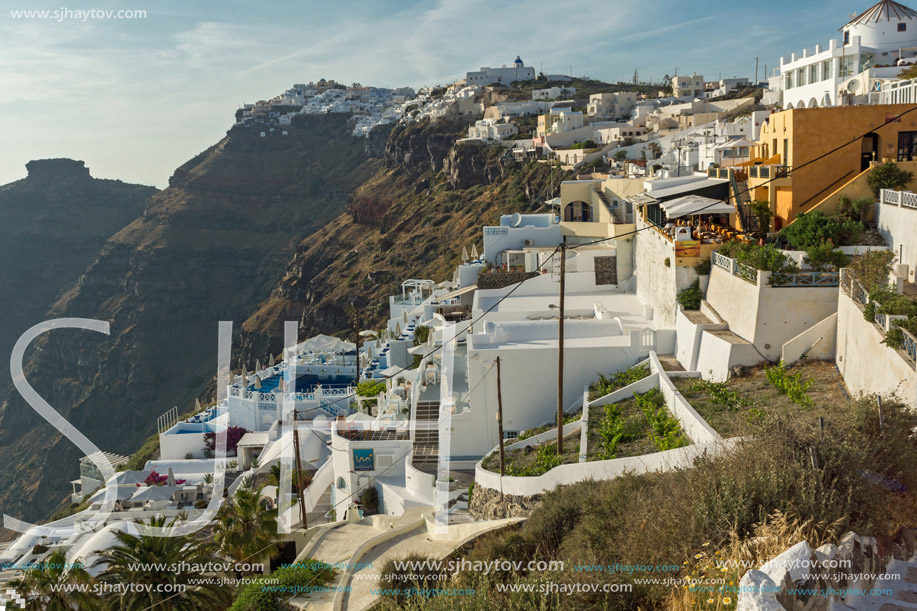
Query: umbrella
{"x": 474, "y": 252}
{"x": 464, "y": 255}
{"x": 244, "y": 377}
{"x": 325, "y": 343}
{"x": 257, "y": 364}
{"x": 397, "y": 330}
{"x": 405, "y": 313}
{"x": 197, "y": 405}
{"x": 257, "y": 383}
{"x": 171, "y": 481}
{"x": 271, "y": 362}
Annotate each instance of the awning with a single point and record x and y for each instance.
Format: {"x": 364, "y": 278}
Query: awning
{"x": 325, "y": 343}
{"x": 775, "y": 160}
{"x": 457, "y": 293}
{"x": 642, "y": 199}
{"x": 733, "y": 144}
{"x": 691, "y": 205}
{"x": 688, "y": 187}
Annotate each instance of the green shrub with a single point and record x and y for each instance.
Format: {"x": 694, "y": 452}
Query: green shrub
{"x": 858, "y": 209}
{"x": 888, "y": 176}
{"x": 370, "y": 388}
{"x": 421, "y": 334}
{"x": 270, "y": 592}
{"x": 814, "y": 229}
{"x": 369, "y": 500}
{"x": 703, "y": 267}
{"x": 690, "y": 297}
{"x": 894, "y": 338}
{"x": 762, "y": 211}
{"x": 720, "y": 393}
{"x": 869, "y": 311}
{"x": 607, "y": 385}
{"x": 766, "y": 258}
{"x": 665, "y": 430}
{"x": 873, "y": 268}
{"x": 789, "y": 384}
{"x": 615, "y": 429}
{"x": 825, "y": 258}
{"x": 588, "y": 144}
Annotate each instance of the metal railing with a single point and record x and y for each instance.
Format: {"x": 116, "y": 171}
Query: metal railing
{"x": 910, "y": 345}
{"x": 746, "y": 272}
{"x": 805, "y": 279}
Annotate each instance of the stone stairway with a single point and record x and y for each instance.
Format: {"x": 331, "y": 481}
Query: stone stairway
{"x": 426, "y": 436}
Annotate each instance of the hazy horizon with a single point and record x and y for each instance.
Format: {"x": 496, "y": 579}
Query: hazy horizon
{"x": 135, "y": 98}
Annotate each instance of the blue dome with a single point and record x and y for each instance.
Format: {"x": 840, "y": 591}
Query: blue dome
{"x": 518, "y": 60}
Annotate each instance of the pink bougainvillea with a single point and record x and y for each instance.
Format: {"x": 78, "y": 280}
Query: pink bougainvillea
{"x": 233, "y": 435}
{"x": 159, "y": 479}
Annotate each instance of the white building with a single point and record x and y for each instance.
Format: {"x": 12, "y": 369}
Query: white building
{"x": 505, "y": 75}
{"x": 688, "y": 86}
{"x": 847, "y": 70}
{"x": 552, "y": 93}
{"x": 489, "y": 129}
{"x": 518, "y": 231}
{"x": 611, "y": 105}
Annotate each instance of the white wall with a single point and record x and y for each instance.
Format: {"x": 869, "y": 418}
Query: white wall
{"x": 817, "y": 342}
{"x": 898, "y": 226}
{"x": 868, "y": 366}
{"x": 764, "y": 315}
{"x": 658, "y": 284}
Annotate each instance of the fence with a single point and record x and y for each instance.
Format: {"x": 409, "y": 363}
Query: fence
{"x": 902, "y": 199}
{"x": 852, "y": 287}
{"x": 777, "y": 280}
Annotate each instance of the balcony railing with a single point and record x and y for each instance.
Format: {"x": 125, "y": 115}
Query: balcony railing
{"x": 806, "y": 279}
{"x": 902, "y": 199}
{"x": 769, "y": 171}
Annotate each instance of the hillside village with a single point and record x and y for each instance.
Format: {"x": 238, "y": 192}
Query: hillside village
{"x": 716, "y": 242}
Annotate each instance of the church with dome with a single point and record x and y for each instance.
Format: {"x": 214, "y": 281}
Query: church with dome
{"x": 518, "y": 71}
{"x": 869, "y": 53}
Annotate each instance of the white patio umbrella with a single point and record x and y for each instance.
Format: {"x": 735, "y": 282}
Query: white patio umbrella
{"x": 271, "y": 362}
{"x": 474, "y": 252}
{"x": 197, "y": 405}
{"x": 257, "y": 364}
{"x": 171, "y": 480}
{"x": 257, "y": 383}
{"x": 464, "y": 255}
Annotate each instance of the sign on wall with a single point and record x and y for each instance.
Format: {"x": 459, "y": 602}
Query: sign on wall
{"x": 687, "y": 248}
{"x": 364, "y": 460}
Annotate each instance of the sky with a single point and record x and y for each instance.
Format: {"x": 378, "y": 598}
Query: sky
{"x": 136, "y": 97}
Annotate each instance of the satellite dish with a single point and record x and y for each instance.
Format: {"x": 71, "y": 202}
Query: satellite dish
{"x": 515, "y": 220}
{"x": 853, "y": 85}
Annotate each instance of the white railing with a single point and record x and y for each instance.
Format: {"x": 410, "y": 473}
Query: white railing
{"x": 167, "y": 420}
{"x": 902, "y": 199}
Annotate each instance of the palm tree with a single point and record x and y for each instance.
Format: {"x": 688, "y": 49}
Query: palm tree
{"x": 53, "y": 584}
{"x": 246, "y": 529}
{"x": 169, "y": 565}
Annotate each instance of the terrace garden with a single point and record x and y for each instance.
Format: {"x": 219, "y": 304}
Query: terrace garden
{"x": 632, "y": 427}
{"x": 801, "y": 393}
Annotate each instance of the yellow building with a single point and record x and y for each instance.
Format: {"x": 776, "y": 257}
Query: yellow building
{"x": 790, "y": 173}
{"x": 592, "y": 209}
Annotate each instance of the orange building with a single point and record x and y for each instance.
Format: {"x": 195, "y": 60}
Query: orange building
{"x": 789, "y": 172}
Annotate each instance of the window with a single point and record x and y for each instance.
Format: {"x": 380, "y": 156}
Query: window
{"x": 827, "y": 69}
{"x": 902, "y": 27}
{"x": 847, "y": 37}
{"x": 510, "y": 435}
{"x": 786, "y": 152}
{"x": 341, "y": 485}
{"x": 813, "y": 73}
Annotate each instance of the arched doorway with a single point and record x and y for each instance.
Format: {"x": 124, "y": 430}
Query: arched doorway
{"x": 578, "y": 212}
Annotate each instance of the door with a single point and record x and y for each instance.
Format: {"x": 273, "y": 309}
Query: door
{"x": 870, "y": 151}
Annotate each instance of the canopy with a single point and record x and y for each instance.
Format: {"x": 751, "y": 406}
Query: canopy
{"x": 690, "y": 205}
{"x": 458, "y": 292}
{"x": 325, "y": 343}
{"x": 733, "y": 144}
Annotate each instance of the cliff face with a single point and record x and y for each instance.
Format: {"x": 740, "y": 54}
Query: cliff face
{"x": 52, "y": 225}
{"x": 410, "y": 220}
{"x": 210, "y": 247}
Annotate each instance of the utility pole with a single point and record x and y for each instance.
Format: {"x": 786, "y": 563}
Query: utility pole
{"x": 357, "y": 322}
{"x": 300, "y": 492}
{"x": 560, "y": 354}
{"x": 756, "y": 71}
{"x": 500, "y": 415}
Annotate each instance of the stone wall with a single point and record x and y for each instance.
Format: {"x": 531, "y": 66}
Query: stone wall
{"x": 606, "y": 270}
{"x": 499, "y": 280}
{"x": 486, "y": 504}
{"x": 789, "y": 581}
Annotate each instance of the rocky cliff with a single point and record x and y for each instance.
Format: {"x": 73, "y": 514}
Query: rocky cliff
{"x": 410, "y": 220}
{"x": 210, "y": 247}
{"x": 52, "y": 225}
